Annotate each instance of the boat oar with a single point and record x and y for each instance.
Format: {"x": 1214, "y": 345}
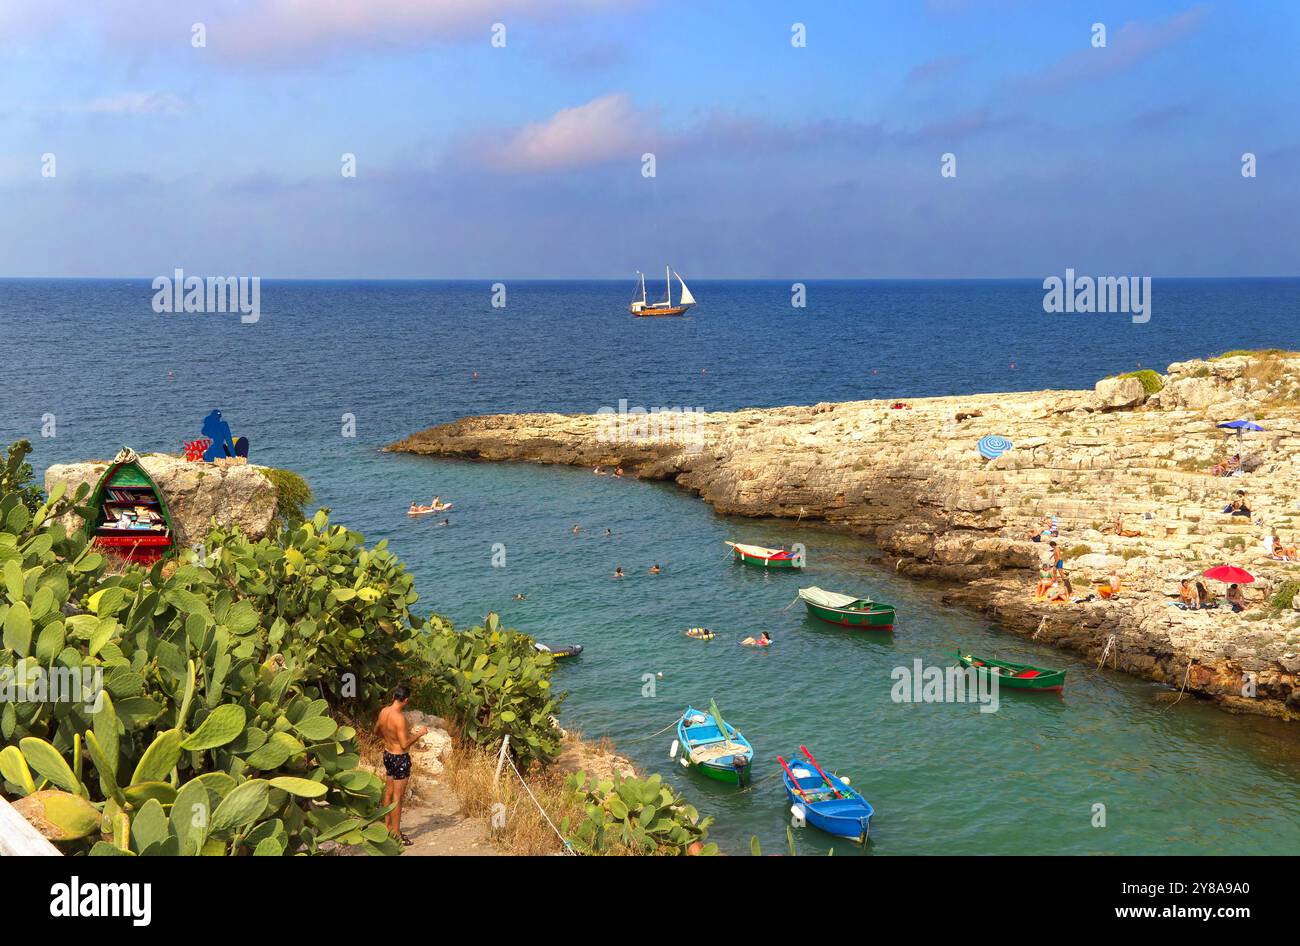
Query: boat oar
{"x": 794, "y": 782}
{"x": 829, "y": 783}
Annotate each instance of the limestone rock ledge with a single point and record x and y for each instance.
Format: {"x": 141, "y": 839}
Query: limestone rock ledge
{"x": 912, "y": 481}
{"x": 196, "y": 493}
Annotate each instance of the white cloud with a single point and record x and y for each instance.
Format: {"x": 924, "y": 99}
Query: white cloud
{"x": 602, "y": 130}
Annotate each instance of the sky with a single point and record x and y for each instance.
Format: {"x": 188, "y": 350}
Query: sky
{"x": 524, "y": 158}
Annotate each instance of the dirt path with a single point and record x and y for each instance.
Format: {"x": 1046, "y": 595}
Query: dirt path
{"x": 438, "y": 828}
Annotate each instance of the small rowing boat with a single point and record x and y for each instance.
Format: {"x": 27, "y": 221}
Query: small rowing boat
{"x": 1015, "y": 676}
{"x": 761, "y": 557}
{"x": 704, "y": 746}
{"x": 825, "y": 801}
{"x": 572, "y": 650}
{"x": 846, "y": 610}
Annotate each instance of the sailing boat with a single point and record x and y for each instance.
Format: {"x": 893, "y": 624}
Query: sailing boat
{"x": 641, "y": 307}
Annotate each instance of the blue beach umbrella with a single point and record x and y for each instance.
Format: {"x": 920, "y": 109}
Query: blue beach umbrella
{"x": 994, "y": 446}
{"x": 1240, "y": 425}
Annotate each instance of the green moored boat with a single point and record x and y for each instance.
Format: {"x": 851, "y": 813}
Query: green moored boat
{"x": 846, "y": 610}
{"x": 761, "y": 557}
{"x": 1015, "y": 676}
{"x": 712, "y": 746}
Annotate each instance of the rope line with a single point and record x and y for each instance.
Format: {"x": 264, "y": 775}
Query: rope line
{"x": 568, "y": 848}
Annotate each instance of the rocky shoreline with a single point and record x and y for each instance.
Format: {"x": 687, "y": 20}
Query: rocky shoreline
{"x": 910, "y": 479}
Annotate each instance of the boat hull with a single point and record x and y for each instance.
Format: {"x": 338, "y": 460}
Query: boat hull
{"x": 706, "y": 732}
{"x": 660, "y": 312}
{"x": 785, "y": 560}
{"x": 1043, "y": 680}
{"x": 848, "y": 817}
{"x": 877, "y": 619}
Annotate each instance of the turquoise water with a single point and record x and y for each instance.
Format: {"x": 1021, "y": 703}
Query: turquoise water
{"x": 944, "y": 779}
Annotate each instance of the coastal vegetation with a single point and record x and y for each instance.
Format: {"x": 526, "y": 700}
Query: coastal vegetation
{"x": 229, "y": 676}
{"x": 293, "y": 495}
{"x": 16, "y": 476}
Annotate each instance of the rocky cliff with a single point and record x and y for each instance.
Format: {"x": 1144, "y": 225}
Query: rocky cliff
{"x": 196, "y": 493}
{"x": 1137, "y": 448}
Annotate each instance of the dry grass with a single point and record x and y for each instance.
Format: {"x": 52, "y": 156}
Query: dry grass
{"x": 469, "y": 773}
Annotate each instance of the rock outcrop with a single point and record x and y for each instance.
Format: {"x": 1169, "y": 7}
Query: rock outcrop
{"x": 911, "y": 480}
{"x": 196, "y": 493}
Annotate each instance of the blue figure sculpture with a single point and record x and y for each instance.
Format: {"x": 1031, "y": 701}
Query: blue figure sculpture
{"x": 223, "y": 443}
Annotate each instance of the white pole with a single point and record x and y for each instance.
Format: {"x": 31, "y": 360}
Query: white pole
{"x": 501, "y": 759}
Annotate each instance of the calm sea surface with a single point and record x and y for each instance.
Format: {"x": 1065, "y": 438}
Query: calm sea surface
{"x": 401, "y": 356}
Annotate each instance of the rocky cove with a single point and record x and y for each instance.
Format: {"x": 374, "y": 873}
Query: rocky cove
{"x": 1138, "y": 448}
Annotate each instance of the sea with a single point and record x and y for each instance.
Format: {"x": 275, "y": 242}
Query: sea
{"x": 332, "y": 371}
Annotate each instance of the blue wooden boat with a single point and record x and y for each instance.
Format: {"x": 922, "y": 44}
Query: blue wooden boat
{"x": 704, "y": 747}
{"x": 825, "y": 801}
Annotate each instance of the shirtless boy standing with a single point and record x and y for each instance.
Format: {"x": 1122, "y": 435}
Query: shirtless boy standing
{"x": 391, "y": 728}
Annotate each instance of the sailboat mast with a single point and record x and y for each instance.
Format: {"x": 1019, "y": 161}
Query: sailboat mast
{"x": 643, "y": 298}
{"x": 668, "y": 281}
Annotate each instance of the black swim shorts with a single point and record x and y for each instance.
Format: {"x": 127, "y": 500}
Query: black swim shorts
{"x": 398, "y": 767}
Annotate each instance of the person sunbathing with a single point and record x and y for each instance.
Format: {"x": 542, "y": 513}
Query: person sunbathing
{"x": 1042, "y": 533}
{"x": 1284, "y": 553}
{"x": 1111, "y": 588}
{"x": 1188, "y": 599}
{"x": 1204, "y": 597}
{"x": 1044, "y": 583}
{"x": 1229, "y": 466}
{"x": 1237, "y": 507}
{"x": 1119, "y": 529}
{"x": 763, "y": 640}
{"x": 1236, "y": 598}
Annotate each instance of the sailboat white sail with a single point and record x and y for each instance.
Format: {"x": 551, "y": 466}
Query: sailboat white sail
{"x": 667, "y": 307}
{"x": 687, "y": 298}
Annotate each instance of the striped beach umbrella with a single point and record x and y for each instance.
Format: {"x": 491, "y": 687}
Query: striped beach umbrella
{"x": 994, "y": 446}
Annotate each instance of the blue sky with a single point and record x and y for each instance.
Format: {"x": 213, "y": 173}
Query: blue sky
{"x": 772, "y": 161}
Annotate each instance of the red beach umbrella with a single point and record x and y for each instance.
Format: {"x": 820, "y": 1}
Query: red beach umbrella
{"x": 1230, "y": 574}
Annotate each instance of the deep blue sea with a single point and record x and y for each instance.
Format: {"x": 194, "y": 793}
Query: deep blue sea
{"x": 400, "y": 356}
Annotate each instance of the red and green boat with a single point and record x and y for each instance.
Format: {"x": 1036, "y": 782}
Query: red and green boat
{"x": 761, "y": 557}
{"x": 846, "y": 610}
{"x": 1015, "y": 676}
{"x": 130, "y": 515}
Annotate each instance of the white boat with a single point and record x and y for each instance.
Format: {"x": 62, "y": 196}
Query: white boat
{"x": 643, "y": 307}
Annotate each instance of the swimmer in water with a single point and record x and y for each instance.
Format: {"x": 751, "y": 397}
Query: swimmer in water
{"x": 520, "y": 597}
{"x": 618, "y": 572}
{"x": 655, "y": 569}
{"x": 576, "y": 528}
{"x": 608, "y": 533}
{"x": 763, "y": 640}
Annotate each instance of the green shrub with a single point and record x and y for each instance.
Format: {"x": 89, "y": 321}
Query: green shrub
{"x": 1151, "y": 381}
{"x": 16, "y": 476}
{"x": 338, "y": 612}
{"x": 1285, "y": 594}
{"x": 1075, "y": 551}
{"x": 642, "y": 816}
{"x": 493, "y": 683}
{"x": 208, "y": 735}
{"x": 293, "y": 494}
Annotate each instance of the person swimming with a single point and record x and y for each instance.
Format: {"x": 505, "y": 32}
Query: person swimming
{"x": 618, "y": 571}
{"x": 520, "y": 597}
{"x": 700, "y": 633}
{"x": 576, "y": 528}
{"x": 655, "y": 569}
{"x": 763, "y": 640}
